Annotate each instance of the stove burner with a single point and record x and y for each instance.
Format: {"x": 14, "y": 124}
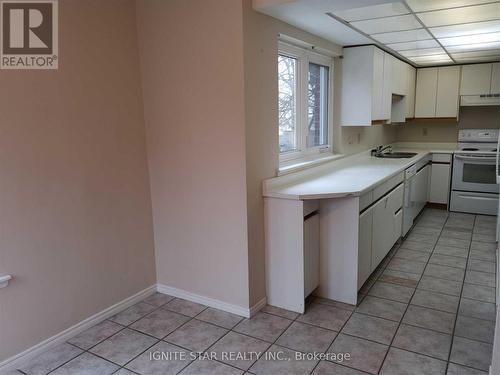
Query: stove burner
{"x": 470, "y": 149}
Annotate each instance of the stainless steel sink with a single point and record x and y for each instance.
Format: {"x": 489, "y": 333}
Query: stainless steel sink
{"x": 396, "y": 155}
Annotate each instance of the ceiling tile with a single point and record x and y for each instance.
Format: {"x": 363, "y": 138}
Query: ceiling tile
{"x": 413, "y": 45}
{"x": 484, "y": 12}
{"x": 402, "y": 36}
{"x": 466, "y": 29}
{"x": 383, "y": 25}
{"x": 422, "y": 52}
{"x": 426, "y": 5}
{"x": 370, "y": 12}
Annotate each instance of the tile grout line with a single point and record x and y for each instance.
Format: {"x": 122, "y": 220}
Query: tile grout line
{"x": 409, "y": 301}
{"x": 459, "y": 302}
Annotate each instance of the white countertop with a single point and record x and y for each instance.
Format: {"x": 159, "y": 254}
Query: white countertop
{"x": 350, "y": 176}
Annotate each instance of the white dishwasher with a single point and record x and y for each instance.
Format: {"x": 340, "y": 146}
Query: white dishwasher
{"x": 416, "y": 192}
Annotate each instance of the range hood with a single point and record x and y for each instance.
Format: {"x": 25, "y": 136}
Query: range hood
{"x": 477, "y": 100}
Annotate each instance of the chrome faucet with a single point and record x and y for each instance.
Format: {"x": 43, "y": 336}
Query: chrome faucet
{"x": 380, "y": 150}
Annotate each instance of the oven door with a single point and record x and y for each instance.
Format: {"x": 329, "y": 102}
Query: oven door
{"x": 474, "y": 173}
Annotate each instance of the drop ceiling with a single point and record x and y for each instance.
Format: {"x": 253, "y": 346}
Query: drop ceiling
{"x": 423, "y": 32}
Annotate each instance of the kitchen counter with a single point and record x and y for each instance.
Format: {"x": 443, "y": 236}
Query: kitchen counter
{"x": 349, "y": 176}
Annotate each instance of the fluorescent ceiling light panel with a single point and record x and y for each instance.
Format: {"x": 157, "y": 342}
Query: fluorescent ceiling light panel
{"x": 470, "y": 39}
{"x": 430, "y": 60}
{"x": 466, "y": 29}
{"x": 477, "y": 58}
{"x": 473, "y": 47}
{"x": 426, "y": 5}
{"x": 462, "y": 55}
{"x": 486, "y": 12}
{"x": 422, "y": 52}
{"x": 383, "y": 25}
{"x": 402, "y": 36}
{"x": 375, "y": 11}
{"x": 413, "y": 45}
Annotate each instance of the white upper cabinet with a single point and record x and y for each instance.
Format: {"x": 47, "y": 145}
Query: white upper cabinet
{"x": 447, "y": 91}
{"x": 411, "y": 73}
{"x": 495, "y": 78}
{"x": 426, "y": 94}
{"x": 366, "y": 86}
{"x": 377, "y": 84}
{"x": 437, "y": 92}
{"x": 387, "y": 86}
{"x": 476, "y": 79}
{"x": 400, "y": 77}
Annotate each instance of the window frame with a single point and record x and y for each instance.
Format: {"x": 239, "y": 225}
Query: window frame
{"x": 304, "y": 57}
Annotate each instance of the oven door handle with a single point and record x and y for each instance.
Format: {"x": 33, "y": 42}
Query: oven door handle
{"x": 476, "y": 158}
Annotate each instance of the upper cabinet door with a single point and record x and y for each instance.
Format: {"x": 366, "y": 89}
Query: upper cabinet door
{"x": 447, "y": 91}
{"x": 378, "y": 84}
{"x": 387, "y": 87}
{"x": 495, "y": 78}
{"x": 476, "y": 79}
{"x": 410, "y": 91}
{"x": 426, "y": 93}
{"x": 399, "y": 76}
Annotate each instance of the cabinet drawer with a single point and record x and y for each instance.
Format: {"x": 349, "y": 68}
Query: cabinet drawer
{"x": 381, "y": 190}
{"x": 441, "y": 158}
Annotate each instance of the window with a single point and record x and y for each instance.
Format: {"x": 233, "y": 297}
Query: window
{"x": 304, "y": 104}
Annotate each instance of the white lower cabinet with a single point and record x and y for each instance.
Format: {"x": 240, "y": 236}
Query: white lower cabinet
{"x": 365, "y": 246}
{"x": 439, "y": 191}
{"x": 387, "y": 222}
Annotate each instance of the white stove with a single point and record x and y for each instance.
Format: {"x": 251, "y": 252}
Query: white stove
{"x": 474, "y": 186}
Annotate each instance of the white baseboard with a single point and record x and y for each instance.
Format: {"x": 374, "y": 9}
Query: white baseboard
{"x": 15, "y": 361}
{"x": 211, "y": 302}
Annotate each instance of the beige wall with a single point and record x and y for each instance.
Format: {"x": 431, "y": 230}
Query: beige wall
{"x": 447, "y": 131}
{"x": 75, "y": 223}
{"x": 192, "y": 71}
{"x": 261, "y": 53}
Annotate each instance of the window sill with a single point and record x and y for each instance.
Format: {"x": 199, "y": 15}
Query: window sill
{"x": 301, "y": 164}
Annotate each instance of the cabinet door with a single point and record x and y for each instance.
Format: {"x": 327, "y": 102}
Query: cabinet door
{"x": 425, "y": 99}
{"x": 365, "y": 246}
{"x": 387, "y": 87}
{"x": 410, "y": 93}
{"x": 476, "y": 79}
{"x": 495, "y": 78}
{"x": 311, "y": 254}
{"x": 421, "y": 186}
{"x": 387, "y": 222}
{"x": 378, "y": 83}
{"x": 448, "y": 91}
{"x": 399, "y": 77}
{"x": 440, "y": 183}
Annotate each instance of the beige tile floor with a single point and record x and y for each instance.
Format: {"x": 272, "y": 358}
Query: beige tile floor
{"x": 429, "y": 309}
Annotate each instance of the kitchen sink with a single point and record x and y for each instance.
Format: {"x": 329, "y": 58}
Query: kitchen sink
{"x": 396, "y": 155}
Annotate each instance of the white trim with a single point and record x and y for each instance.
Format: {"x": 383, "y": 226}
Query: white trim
{"x": 304, "y": 57}
{"x": 16, "y": 360}
{"x": 211, "y": 302}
